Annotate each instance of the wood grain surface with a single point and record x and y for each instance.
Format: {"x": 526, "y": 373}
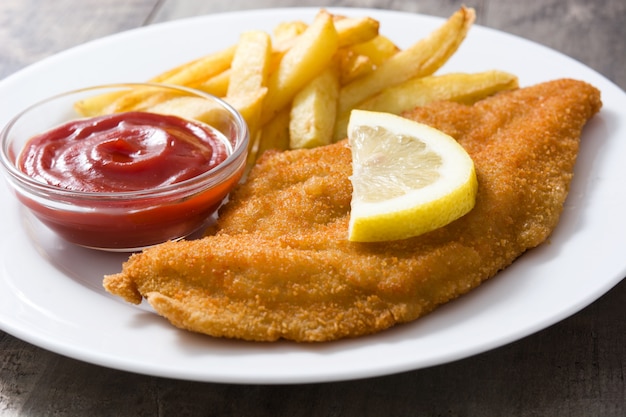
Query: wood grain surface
{"x": 574, "y": 368}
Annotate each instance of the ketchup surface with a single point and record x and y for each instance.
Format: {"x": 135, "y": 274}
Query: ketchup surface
{"x": 122, "y": 152}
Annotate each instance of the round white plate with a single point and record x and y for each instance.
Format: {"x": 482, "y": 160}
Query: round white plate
{"x": 51, "y": 293}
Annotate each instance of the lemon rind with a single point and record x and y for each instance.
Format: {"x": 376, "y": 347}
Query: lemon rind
{"x": 399, "y": 225}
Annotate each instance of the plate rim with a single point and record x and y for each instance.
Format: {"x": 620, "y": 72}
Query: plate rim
{"x": 101, "y": 359}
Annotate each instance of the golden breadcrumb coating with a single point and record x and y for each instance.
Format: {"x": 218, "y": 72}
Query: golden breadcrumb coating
{"x": 279, "y": 265}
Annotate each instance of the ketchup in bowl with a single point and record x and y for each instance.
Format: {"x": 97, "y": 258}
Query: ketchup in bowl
{"x": 123, "y": 181}
{"x": 129, "y": 151}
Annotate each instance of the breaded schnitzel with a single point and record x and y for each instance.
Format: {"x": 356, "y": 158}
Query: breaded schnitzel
{"x": 279, "y": 265}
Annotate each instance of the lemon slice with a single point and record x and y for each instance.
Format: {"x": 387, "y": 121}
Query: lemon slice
{"x": 408, "y": 178}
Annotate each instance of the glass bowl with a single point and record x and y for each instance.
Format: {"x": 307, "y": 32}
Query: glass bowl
{"x": 136, "y": 219}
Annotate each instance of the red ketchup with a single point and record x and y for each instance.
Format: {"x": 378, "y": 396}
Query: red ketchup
{"x": 122, "y": 152}
{"x": 127, "y": 152}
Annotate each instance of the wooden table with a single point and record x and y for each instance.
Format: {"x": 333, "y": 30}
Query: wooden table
{"x": 574, "y": 368}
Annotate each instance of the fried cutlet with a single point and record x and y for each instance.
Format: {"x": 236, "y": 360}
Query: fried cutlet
{"x": 279, "y": 265}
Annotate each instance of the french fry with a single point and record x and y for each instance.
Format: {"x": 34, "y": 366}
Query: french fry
{"x": 194, "y": 108}
{"x": 118, "y": 101}
{"x": 340, "y": 130}
{"x": 296, "y": 87}
{"x": 459, "y": 87}
{"x": 275, "y": 134}
{"x": 189, "y": 74}
{"x": 138, "y": 99}
{"x": 421, "y": 59}
{"x": 284, "y": 34}
{"x": 362, "y": 58}
{"x": 93, "y": 106}
{"x": 250, "y": 63}
{"x": 249, "y": 105}
{"x": 164, "y": 76}
{"x": 354, "y": 30}
{"x": 310, "y": 54}
{"x": 352, "y": 65}
{"x": 350, "y": 31}
{"x": 378, "y": 49}
{"x": 216, "y": 85}
{"x": 313, "y": 111}
{"x": 248, "y": 76}
{"x": 202, "y": 69}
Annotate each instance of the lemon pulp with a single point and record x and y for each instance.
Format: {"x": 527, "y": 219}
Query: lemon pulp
{"x": 408, "y": 178}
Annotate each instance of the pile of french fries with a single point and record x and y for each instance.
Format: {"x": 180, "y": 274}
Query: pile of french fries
{"x": 296, "y": 86}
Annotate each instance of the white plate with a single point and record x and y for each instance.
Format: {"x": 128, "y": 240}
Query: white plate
{"x": 51, "y": 294}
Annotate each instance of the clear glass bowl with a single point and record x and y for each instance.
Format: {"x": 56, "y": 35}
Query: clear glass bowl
{"x": 129, "y": 220}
